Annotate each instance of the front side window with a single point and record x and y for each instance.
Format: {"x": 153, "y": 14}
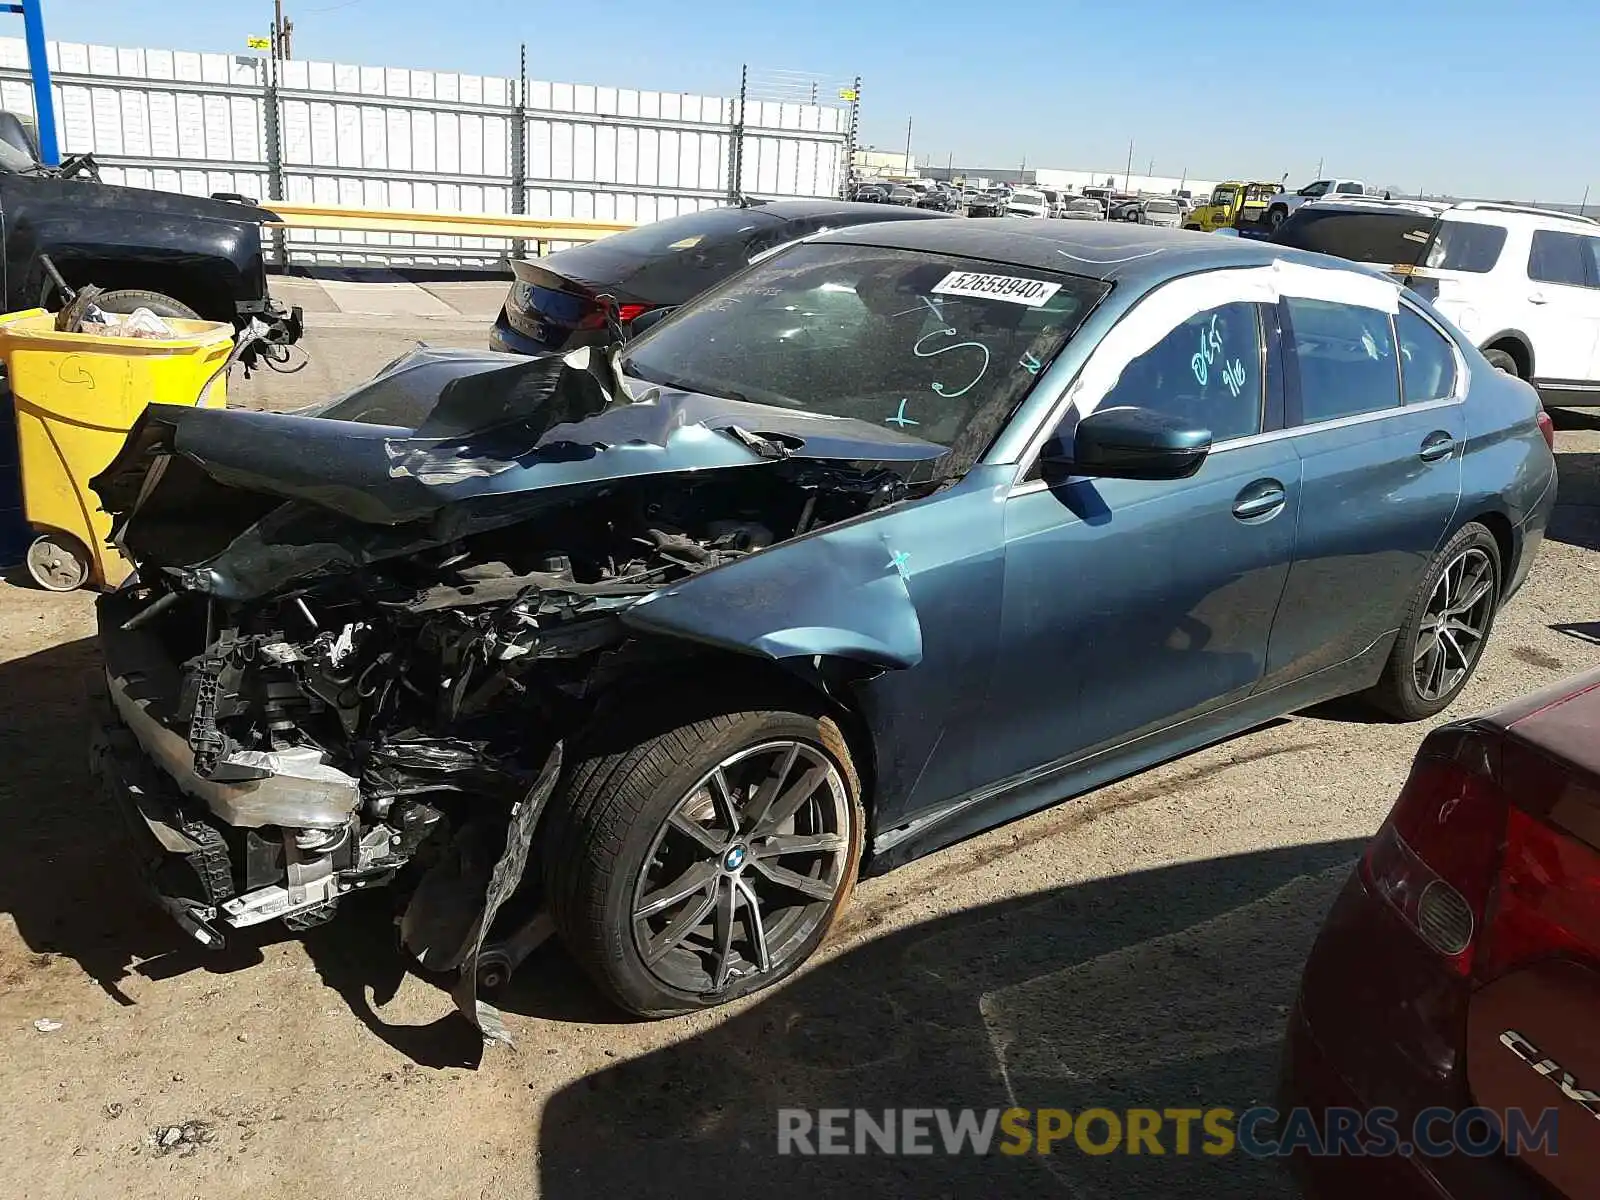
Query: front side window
{"x": 1427, "y": 362}
{"x": 1346, "y": 357}
{"x": 1558, "y": 257}
{"x": 929, "y": 346}
{"x": 1207, "y": 372}
{"x": 1315, "y": 189}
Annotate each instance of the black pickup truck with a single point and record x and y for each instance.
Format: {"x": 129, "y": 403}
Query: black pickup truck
{"x": 179, "y": 256}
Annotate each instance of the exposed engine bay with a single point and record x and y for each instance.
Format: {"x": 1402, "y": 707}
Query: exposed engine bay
{"x": 308, "y": 699}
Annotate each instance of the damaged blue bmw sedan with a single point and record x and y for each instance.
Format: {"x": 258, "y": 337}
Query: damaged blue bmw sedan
{"x": 903, "y": 532}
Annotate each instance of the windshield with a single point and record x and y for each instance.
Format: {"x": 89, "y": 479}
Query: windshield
{"x": 1223, "y": 195}
{"x": 683, "y": 234}
{"x": 1161, "y": 206}
{"x": 933, "y": 346}
{"x": 1026, "y": 198}
{"x": 1084, "y": 206}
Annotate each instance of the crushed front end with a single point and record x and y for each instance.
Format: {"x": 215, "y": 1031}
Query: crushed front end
{"x": 353, "y": 651}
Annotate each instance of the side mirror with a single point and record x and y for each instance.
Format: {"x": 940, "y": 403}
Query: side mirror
{"x": 1132, "y": 443}
{"x": 646, "y": 321}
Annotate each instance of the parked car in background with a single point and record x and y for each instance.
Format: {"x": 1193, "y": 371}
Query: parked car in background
{"x": 1023, "y": 203}
{"x": 1459, "y": 968}
{"x": 192, "y": 257}
{"x": 526, "y": 623}
{"x": 940, "y": 199}
{"x": 985, "y": 204}
{"x": 1125, "y": 209}
{"x": 870, "y": 193}
{"x": 1283, "y": 203}
{"x": 1522, "y": 283}
{"x": 1083, "y": 208}
{"x": 1158, "y": 211}
{"x": 558, "y": 302}
{"x": 1231, "y": 204}
{"x": 900, "y": 194}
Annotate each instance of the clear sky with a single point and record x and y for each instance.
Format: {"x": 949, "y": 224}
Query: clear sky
{"x": 1466, "y": 96}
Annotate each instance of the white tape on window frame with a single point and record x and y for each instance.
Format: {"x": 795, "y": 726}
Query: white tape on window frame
{"x": 1164, "y": 309}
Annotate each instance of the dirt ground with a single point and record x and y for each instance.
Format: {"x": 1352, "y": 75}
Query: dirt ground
{"x": 1137, "y": 947}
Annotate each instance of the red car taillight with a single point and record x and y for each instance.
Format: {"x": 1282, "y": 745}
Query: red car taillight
{"x": 1548, "y": 428}
{"x": 625, "y": 313}
{"x": 1436, "y": 859}
{"x": 1547, "y": 904}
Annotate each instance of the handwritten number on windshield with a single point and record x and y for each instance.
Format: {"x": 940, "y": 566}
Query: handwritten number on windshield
{"x": 947, "y": 332}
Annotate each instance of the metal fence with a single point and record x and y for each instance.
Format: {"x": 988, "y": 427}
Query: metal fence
{"x": 385, "y": 137}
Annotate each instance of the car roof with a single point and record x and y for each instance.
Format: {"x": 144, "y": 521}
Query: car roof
{"x": 1141, "y": 255}
{"x": 850, "y": 210}
{"x": 1481, "y": 211}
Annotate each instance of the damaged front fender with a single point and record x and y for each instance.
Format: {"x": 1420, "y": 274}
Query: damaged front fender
{"x": 840, "y": 594}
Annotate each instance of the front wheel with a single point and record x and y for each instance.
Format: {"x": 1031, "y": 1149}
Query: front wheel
{"x": 1445, "y": 629}
{"x": 688, "y": 867}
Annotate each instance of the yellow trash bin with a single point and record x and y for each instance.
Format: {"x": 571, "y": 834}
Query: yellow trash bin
{"x": 76, "y": 397}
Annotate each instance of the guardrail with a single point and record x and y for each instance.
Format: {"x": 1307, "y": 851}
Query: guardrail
{"x": 520, "y": 230}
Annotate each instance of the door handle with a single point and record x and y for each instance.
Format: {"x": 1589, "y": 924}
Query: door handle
{"x": 1264, "y": 497}
{"x": 1437, "y": 445}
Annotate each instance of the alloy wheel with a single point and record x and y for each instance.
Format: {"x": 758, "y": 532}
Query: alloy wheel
{"x": 745, "y": 869}
{"x": 1455, "y": 624}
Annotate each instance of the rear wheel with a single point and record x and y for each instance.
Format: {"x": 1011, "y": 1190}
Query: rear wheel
{"x": 692, "y": 866}
{"x": 1501, "y": 360}
{"x": 1276, "y": 216}
{"x": 1446, "y": 627}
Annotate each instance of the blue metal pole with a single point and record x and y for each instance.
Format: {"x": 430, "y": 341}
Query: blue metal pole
{"x": 44, "y": 102}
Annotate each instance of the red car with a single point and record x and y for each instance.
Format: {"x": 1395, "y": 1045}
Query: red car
{"x": 1460, "y": 969}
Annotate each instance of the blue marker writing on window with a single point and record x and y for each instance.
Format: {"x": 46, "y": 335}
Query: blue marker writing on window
{"x": 900, "y": 417}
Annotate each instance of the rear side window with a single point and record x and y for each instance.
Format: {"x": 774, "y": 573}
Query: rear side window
{"x": 1427, "y": 363}
{"x": 1346, "y": 356}
{"x": 1559, "y": 257}
{"x": 1466, "y": 246}
{"x": 1350, "y": 189}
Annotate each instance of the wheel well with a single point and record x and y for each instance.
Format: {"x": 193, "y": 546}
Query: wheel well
{"x": 1497, "y": 524}
{"x": 208, "y": 297}
{"x": 725, "y": 679}
{"x": 1519, "y": 351}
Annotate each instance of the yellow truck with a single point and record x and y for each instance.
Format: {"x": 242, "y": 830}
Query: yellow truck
{"x": 1230, "y": 202}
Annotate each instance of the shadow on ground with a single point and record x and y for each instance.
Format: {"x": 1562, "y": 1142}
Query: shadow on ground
{"x": 1163, "y": 989}
{"x": 1576, "y": 520}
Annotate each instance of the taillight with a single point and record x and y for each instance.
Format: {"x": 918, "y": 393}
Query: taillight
{"x": 1436, "y": 858}
{"x": 1547, "y": 904}
{"x": 1548, "y": 429}
{"x": 625, "y": 313}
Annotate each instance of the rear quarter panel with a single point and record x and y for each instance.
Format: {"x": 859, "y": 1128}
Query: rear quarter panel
{"x": 1507, "y": 468}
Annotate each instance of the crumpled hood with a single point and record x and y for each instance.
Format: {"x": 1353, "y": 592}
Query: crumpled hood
{"x": 245, "y": 502}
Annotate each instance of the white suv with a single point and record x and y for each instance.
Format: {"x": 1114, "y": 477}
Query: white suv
{"x": 1522, "y": 283}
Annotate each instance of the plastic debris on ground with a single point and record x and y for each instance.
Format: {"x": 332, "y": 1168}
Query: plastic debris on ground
{"x": 47, "y": 1025}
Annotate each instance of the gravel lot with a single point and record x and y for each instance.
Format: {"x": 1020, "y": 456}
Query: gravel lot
{"x": 1134, "y": 948}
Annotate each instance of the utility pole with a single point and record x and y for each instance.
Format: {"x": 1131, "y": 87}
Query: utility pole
{"x": 1127, "y": 179}
{"x": 1584, "y": 203}
{"x": 282, "y": 30}
{"x": 908, "y": 145}
{"x": 1319, "y": 168}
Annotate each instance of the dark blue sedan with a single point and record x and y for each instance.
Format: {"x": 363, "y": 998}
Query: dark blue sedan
{"x": 902, "y": 532}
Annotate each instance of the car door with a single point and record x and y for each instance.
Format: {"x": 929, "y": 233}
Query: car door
{"x": 1563, "y": 306}
{"x": 1380, "y": 479}
{"x": 1132, "y": 604}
